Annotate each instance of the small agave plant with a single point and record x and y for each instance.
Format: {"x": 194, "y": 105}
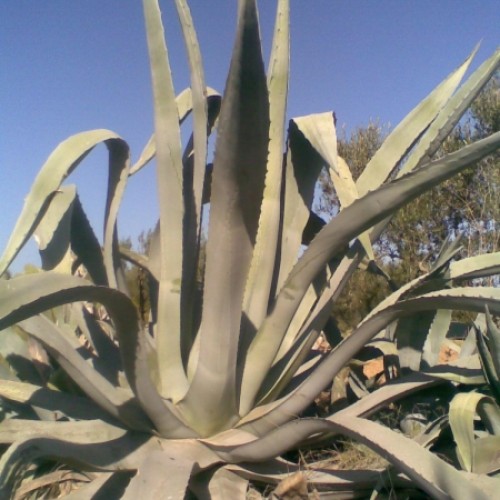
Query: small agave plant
{"x": 205, "y": 395}
{"x": 477, "y": 446}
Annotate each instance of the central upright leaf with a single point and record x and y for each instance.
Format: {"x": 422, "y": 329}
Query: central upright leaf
{"x": 237, "y": 189}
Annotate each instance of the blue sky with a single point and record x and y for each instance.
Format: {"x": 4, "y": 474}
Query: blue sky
{"x": 69, "y": 66}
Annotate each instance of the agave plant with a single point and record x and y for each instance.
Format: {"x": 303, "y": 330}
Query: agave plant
{"x": 415, "y": 342}
{"x": 206, "y": 394}
{"x": 474, "y": 416}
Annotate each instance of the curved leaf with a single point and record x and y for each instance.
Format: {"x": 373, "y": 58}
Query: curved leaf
{"x": 486, "y": 456}
{"x": 119, "y": 166}
{"x": 472, "y": 299}
{"x": 419, "y": 338}
{"x": 435, "y": 337}
{"x": 123, "y": 453}
{"x": 493, "y": 342}
{"x": 302, "y": 168}
{"x": 320, "y": 131}
{"x": 361, "y": 482}
{"x": 117, "y": 402}
{"x": 138, "y": 260}
{"x": 433, "y": 475}
{"x": 489, "y": 352}
{"x": 347, "y": 192}
{"x": 25, "y": 296}
{"x": 465, "y": 370}
{"x": 63, "y": 160}
{"x": 461, "y": 415}
{"x": 59, "y": 403}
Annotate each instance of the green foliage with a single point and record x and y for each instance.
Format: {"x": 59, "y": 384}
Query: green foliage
{"x": 199, "y": 389}
{"x": 485, "y": 109}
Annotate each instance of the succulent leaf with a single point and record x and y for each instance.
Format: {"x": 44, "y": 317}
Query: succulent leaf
{"x": 489, "y": 353}
{"x": 477, "y": 266}
{"x": 262, "y": 274}
{"x": 493, "y": 342}
{"x": 184, "y": 106}
{"x": 433, "y": 475}
{"x": 451, "y": 112}
{"x": 61, "y": 404}
{"x": 88, "y": 431}
{"x": 126, "y": 453}
{"x": 117, "y": 402}
{"x": 63, "y": 160}
{"x": 461, "y": 298}
{"x": 408, "y": 131}
{"x": 474, "y": 455}
{"x": 53, "y": 234}
{"x": 20, "y": 299}
{"x": 355, "y": 218}
{"x": 237, "y": 187}
{"x": 194, "y": 178}
{"x": 159, "y": 474}
{"x": 173, "y": 381}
